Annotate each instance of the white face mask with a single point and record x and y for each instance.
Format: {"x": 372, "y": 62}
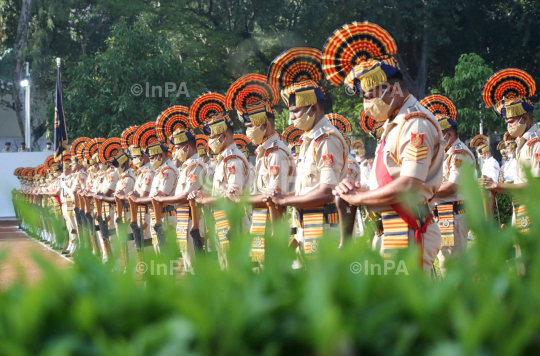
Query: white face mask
{"x": 518, "y": 129}
{"x": 378, "y": 110}
{"x": 137, "y": 162}
{"x": 215, "y": 144}
{"x": 446, "y": 139}
{"x": 156, "y": 163}
{"x": 256, "y": 135}
{"x": 305, "y": 122}
{"x": 181, "y": 155}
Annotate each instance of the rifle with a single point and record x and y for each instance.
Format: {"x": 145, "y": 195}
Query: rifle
{"x": 275, "y": 212}
{"x": 158, "y": 211}
{"x": 137, "y": 236}
{"x": 103, "y": 226}
{"x": 346, "y": 215}
{"x": 121, "y": 231}
{"x": 91, "y": 225}
{"x": 486, "y": 200}
{"x": 195, "y": 232}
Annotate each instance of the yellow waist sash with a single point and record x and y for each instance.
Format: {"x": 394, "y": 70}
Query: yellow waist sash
{"x": 222, "y": 227}
{"x": 396, "y": 232}
{"x": 523, "y": 222}
{"x": 258, "y": 230}
{"x": 446, "y": 223}
{"x": 313, "y": 220}
{"x": 182, "y": 225}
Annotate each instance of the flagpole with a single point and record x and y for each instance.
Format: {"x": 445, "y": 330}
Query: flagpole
{"x": 58, "y": 61}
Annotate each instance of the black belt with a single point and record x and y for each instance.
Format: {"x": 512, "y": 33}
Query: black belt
{"x": 420, "y": 212}
{"x": 169, "y": 210}
{"x": 328, "y": 213}
{"x": 458, "y": 208}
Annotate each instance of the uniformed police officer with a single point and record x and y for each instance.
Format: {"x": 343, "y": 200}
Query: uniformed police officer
{"x": 410, "y": 154}
{"x": 448, "y": 201}
{"x": 322, "y": 160}
{"x": 517, "y": 111}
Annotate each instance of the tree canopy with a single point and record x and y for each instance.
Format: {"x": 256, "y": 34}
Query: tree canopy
{"x": 108, "y": 46}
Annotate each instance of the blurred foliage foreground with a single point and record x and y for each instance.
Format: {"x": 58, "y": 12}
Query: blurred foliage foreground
{"x": 482, "y": 307}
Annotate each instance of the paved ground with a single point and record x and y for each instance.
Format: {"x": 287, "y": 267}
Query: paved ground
{"x": 18, "y": 262}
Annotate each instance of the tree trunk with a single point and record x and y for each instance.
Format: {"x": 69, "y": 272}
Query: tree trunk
{"x": 418, "y": 85}
{"x": 20, "y": 43}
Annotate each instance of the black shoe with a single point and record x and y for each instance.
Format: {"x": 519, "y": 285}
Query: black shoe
{"x": 65, "y": 252}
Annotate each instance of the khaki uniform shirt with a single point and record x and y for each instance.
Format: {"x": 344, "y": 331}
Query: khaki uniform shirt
{"x": 528, "y": 155}
{"x": 275, "y": 166}
{"x": 322, "y": 158}
{"x": 456, "y": 158}
{"x": 97, "y": 181}
{"x": 126, "y": 182}
{"x": 144, "y": 180}
{"x": 66, "y": 190}
{"x": 80, "y": 179}
{"x": 165, "y": 178}
{"x": 413, "y": 148}
{"x": 191, "y": 176}
{"x": 110, "y": 180}
{"x": 232, "y": 171}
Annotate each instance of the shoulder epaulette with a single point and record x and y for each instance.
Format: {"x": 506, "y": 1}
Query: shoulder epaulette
{"x": 414, "y": 108}
{"x": 460, "y": 152}
{"x": 416, "y": 115}
{"x": 195, "y": 163}
{"x": 533, "y": 140}
{"x": 458, "y": 147}
{"x": 229, "y": 157}
{"x": 228, "y": 153}
{"x": 270, "y": 150}
{"x": 320, "y": 134}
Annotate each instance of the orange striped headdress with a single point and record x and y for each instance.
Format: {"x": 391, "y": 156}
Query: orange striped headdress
{"x": 242, "y": 142}
{"x": 298, "y": 72}
{"x": 370, "y": 126}
{"x": 111, "y": 151}
{"x": 509, "y": 140}
{"x": 292, "y": 136}
{"x": 506, "y": 92}
{"x": 208, "y": 112}
{"x": 358, "y": 147}
{"x": 202, "y": 144}
{"x": 252, "y": 98}
{"x": 91, "y": 150}
{"x": 443, "y": 108}
{"x": 340, "y": 122}
{"x": 76, "y": 147}
{"x": 360, "y": 55}
{"x": 126, "y": 138}
{"x": 480, "y": 142}
{"x": 173, "y": 124}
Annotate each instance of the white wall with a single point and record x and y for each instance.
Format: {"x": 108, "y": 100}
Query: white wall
{"x": 8, "y": 163}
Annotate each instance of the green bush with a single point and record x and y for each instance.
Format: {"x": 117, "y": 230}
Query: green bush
{"x": 482, "y": 307}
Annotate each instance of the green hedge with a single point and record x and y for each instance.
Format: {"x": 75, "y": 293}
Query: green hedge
{"x": 482, "y": 307}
